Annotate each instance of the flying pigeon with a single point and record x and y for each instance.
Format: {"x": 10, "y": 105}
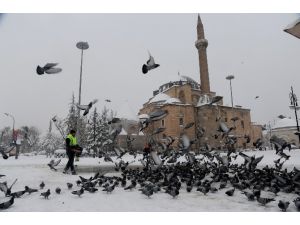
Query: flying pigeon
{"x": 48, "y": 68}
{"x": 150, "y": 65}
{"x": 52, "y": 164}
{"x": 256, "y": 97}
{"x": 6, "y": 205}
{"x": 5, "y": 189}
{"x": 215, "y": 99}
{"x": 281, "y": 116}
{"x": 87, "y": 108}
{"x": 107, "y": 100}
{"x": 4, "y": 155}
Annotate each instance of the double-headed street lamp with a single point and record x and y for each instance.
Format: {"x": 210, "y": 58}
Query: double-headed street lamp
{"x": 13, "y": 128}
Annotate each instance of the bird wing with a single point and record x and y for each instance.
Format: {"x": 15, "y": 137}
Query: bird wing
{"x": 50, "y": 65}
{"x": 56, "y": 163}
{"x": 150, "y": 62}
{"x": 94, "y": 101}
{"x": 82, "y": 107}
{"x": 53, "y": 70}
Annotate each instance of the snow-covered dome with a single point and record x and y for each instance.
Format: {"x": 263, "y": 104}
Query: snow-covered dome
{"x": 285, "y": 123}
{"x": 161, "y": 97}
{"x": 172, "y": 101}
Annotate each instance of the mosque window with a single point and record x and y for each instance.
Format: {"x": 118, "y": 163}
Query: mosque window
{"x": 180, "y": 121}
{"x": 242, "y": 123}
{"x": 181, "y": 96}
{"x": 163, "y": 123}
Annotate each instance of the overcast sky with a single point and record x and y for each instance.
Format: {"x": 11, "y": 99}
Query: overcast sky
{"x": 252, "y": 47}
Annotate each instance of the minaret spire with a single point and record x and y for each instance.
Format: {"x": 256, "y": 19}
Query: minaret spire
{"x": 201, "y": 45}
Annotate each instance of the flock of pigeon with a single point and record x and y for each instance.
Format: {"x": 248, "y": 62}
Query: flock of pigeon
{"x": 207, "y": 171}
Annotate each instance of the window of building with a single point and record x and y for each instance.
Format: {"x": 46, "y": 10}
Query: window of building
{"x": 163, "y": 123}
{"x": 180, "y": 121}
{"x": 242, "y": 123}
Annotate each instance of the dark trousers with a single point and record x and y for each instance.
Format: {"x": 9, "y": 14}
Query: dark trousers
{"x": 70, "y": 164}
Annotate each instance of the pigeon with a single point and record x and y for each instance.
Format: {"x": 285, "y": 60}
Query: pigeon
{"x": 5, "y": 188}
{"x": 4, "y": 155}
{"x": 203, "y": 189}
{"x": 6, "y": 205}
{"x": 1, "y": 175}
{"x": 281, "y": 116}
{"x": 107, "y": 100}
{"x": 174, "y": 192}
{"x": 52, "y": 164}
{"x": 42, "y": 185}
{"x": 150, "y": 65}
{"x": 230, "y": 192}
{"x": 215, "y": 99}
{"x": 30, "y": 190}
{"x": 46, "y": 194}
{"x": 189, "y": 125}
{"x": 18, "y": 194}
{"x": 114, "y": 120}
{"x": 109, "y": 189}
{"x": 250, "y": 196}
{"x": 147, "y": 191}
{"x": 283, "y": 205}
{"x": 70, "y": 185}
{"x": 57, "y": 190}
{"x": 297, "y": 203}
{"x": 87, "y": 108}
{"x": 78, "y": 192}
{"x": 256, "y": 97}
{"x": 264, "y": 201}
{"x": 48, "y": 68}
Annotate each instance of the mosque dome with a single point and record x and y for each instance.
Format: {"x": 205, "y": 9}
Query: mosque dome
{"x": 285, "y": 123}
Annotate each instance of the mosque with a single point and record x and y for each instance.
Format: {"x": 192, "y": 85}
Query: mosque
{"x": 187, "y": 100}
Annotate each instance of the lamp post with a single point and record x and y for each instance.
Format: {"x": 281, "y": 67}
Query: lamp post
{"x": 83, "y": 46}
{"x": 13, "y": 130}
{"x": 294, "y": 105}
{"x": 230, "y": 77}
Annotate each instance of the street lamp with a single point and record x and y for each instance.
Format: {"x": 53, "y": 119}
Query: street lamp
{"x": 7, "y": 114}
{"x": 294, "y": 105}
{"x": 230, "y": 77}
{"x": 83, "y": 46}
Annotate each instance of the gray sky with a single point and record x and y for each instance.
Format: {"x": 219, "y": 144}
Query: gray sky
{"x": 253, "y": 47}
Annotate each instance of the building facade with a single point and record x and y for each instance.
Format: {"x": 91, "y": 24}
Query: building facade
{"x": 188, "y": 101}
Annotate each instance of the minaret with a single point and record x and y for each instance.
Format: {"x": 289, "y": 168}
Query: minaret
{"x": 201, "y": 45}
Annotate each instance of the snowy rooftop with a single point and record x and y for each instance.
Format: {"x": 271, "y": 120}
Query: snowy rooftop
{"x": 285, "y": 123}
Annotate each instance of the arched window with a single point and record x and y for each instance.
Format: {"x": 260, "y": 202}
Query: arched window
{"x": 181, "y": 96}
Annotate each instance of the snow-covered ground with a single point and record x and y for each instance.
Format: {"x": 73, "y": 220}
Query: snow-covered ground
{"x": 32, "y": 170}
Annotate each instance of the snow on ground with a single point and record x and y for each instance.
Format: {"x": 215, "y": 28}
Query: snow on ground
{"x": 32, "y": 170}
